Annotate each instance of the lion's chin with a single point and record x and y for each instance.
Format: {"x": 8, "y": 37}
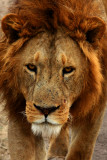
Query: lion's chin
{"x": 46, "y": 129}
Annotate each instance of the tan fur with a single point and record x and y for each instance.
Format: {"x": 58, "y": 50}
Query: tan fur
{"x": 105, "y": 5}
{"x": 43, "y": 41}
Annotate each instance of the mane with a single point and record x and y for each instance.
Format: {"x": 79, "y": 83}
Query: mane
{"x": 51, "y": 14}
{"x": 35, "y": 16}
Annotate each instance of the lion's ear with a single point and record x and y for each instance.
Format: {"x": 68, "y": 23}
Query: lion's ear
{"x": 94, "y": 29}
{"x": 11, "y": 26}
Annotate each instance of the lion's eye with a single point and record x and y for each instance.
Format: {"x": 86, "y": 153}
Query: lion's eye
{"x": 31, "y": 67}
{"x": 68, "y": 70}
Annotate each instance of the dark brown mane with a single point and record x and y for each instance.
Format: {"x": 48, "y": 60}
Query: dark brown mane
{"x": 44, "y": 14}
{"x": 51, "y": 14}
{"x": 36, "y": 15}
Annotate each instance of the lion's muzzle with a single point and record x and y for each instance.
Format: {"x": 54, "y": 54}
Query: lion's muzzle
{"x": 46, "y": 111}
{"x": 54, "y": 115}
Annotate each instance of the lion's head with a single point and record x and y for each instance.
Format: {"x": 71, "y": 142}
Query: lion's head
{"x": 50, "y": 68}
{"x": 52, "y": 74}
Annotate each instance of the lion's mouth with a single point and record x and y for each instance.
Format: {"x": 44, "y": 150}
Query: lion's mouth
{"x": 47, "y": 116}
{"x": 45, "y": 121}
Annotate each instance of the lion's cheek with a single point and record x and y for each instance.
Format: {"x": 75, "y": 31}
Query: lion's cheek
{"x": 33, "y": 115}
{"x": 38, "y": 119}
{"x": 60, "y": 116}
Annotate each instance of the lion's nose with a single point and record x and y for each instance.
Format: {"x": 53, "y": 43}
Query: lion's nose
{"x": 46, "y": 111}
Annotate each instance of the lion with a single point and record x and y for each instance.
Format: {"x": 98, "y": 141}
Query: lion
{"x": 53, "y": 69}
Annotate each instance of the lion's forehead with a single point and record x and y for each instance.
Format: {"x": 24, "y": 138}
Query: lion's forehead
{"x": 56, "y": 49}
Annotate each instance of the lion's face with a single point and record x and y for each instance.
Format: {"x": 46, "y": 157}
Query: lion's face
{"x": 52, "y": 74}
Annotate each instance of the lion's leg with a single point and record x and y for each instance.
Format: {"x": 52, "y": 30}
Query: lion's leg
{"x": 59, "y": 145}
{"x": 83, "y": 139}
{"x": 23, "y": 145}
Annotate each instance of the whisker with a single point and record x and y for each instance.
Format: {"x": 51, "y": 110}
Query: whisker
{"x": 70, "y": 118}
{"x": 23, "y": 113}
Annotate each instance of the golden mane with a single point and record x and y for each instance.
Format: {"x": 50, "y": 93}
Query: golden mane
{"x": 36, "y": 14}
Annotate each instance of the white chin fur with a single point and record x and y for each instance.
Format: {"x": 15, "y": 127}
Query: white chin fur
{"x": 46, "y": 130}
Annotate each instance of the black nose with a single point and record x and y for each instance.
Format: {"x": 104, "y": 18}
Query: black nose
{"x": 46, "y": 111}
